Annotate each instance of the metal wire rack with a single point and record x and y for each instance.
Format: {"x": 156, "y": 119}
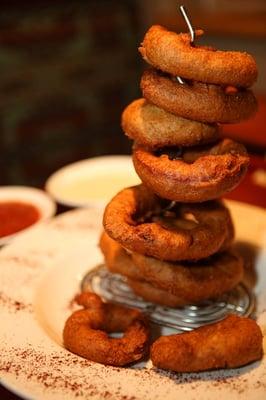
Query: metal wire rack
{"x": 113, "y": 288}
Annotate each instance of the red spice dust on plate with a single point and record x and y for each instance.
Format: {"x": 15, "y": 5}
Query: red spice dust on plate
{"x": 15, "y": 216}
{"x": 20, "y": 208}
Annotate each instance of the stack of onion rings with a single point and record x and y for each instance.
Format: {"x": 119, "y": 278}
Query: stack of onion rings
{"x": 86, "y": 332}
{"x": 173, "y": 114}
{"x": 177, "y": 254}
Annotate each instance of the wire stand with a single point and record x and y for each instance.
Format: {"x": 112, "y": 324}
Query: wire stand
{"x": 113, "y": 288}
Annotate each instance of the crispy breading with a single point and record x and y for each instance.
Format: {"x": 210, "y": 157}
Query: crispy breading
{"x": 86, "y": 332}
{"x": 153, "y": 127}
{"x": 197, "y": 101}
{"x": 173, "y": 53}
{"x": 169, "y": 238}
{"x": 173, "y": 283}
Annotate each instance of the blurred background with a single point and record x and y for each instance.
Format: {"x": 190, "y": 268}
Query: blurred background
{"x": 68, "y": 68}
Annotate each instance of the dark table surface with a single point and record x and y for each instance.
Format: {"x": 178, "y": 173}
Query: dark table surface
{"x": 6, "y": 395}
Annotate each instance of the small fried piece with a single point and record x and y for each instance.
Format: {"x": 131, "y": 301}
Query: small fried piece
{"x": 153, "y": 127}
{"x": 86, "y": 332}
{"x": 233, "y": 342}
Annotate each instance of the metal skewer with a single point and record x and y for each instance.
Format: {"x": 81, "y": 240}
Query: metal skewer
{"x": 191, "y": 31}
{"x": 178, "y": 78}
{"x": 188, "y": 22}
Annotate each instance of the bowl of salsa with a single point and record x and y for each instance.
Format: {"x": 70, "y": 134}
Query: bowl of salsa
{"x": 20, "y": 208}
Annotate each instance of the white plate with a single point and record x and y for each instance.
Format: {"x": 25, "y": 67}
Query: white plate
{"x": 36, "y": 197}
{"x": 91, "y": 182}
{"x": 39, "y": 275}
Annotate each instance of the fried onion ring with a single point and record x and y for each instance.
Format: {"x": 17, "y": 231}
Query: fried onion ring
{"x": 188, "y": 283}
{"x": 197, "y": 101}
{"x": 194, "y": 283}
{"x": 195, "y": 231}
{"x": 85, "y": 332}
{"x": 199, "y": 175}
{"x": 120, "y": 262}
{"x": 173, "y": 53}
{"x": 153, "y": 127}
{"x": 233, "y": 342}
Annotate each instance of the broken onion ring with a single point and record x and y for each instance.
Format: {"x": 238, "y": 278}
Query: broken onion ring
{"x": 86, "y": 332}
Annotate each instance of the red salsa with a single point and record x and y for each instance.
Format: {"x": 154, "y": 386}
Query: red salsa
{"x": 15, "y": 216}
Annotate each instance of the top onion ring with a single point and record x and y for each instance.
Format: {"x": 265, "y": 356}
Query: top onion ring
{"x": 173, "y": 53}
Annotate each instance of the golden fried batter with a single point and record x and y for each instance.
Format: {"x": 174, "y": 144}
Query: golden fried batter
{"x": 177, "y": 284}
{"x": 193, "y": 282}
{"x": 197, "y": 101}
{"x": 191, "y": 232}
{"x": 196, "y": 175}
